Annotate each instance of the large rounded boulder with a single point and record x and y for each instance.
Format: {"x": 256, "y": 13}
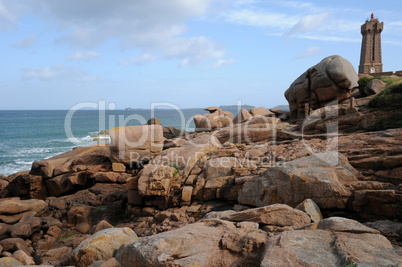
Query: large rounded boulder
{"x": 334, "y": 78}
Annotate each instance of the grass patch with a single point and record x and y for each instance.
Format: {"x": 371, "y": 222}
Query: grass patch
{"x": 388, "y": 80}
{"x": 390, "y": 97}
{"x": 391, "y": 122}
{"x": 69, "y": 235}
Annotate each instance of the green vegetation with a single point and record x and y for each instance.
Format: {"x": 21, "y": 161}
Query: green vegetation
{"x": 388, "y": 80}
{"x": 67, "y": 236}
{"x": 176, "y": 172}
{"x": 101, "y": 208}
{"x": 391, "y": 122}
{"x": 390, "y": 97}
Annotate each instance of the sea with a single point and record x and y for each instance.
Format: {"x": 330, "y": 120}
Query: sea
{"x": 32, "y": 135}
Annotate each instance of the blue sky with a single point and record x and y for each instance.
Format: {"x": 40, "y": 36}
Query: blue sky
{"x": 192, "y": 53}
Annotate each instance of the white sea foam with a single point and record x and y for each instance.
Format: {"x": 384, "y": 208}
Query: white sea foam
{"x": 21, "y": 162}
{"x": 9, "y": 169}
{"x": 29, "y": 151}
{"x": 21, "y": 159}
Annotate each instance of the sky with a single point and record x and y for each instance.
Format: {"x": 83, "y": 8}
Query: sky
{"x": 190, "y": 53}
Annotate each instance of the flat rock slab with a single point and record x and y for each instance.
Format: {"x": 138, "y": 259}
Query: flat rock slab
{"x": 15, "y": 206}
{"x": 277, "y": 214}
{"x": 339, "y": 224}
{"x": 326, "y": 248}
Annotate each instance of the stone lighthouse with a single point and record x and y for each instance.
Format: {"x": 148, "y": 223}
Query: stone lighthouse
{"x": 370, "y": 57}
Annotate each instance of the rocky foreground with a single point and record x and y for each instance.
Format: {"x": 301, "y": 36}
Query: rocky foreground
{"x": 258, "y": 189}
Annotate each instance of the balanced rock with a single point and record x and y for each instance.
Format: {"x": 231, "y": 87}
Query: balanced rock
{"x": 135, "y": 144}
{"x": 333, "y": 78}
{"x": 216, "y": 119}
{"x": 261, "y": 111}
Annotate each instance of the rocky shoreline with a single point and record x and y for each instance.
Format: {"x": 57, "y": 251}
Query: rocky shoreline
{"x": 262, "y": 188}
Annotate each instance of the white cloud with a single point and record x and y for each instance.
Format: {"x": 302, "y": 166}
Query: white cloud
{"x": 311, "y": 52}
{"x": 152, "y": 26}
{"x": 45, "y": 73}
{"x": 295, "y": 4}
{"x": 11, "y": 10}
{"x": 260, "y": 19}
{"x": 224, "y": 62}
{"x": 298, "y": 19}
{"x": 27, "y": 42}
{"x": 142, "y": 60}
{"x": 397, "y": 43}
{"x": 81, "y": 55}
{"x": 194, "y": 50}
{"x": 396, "y": 24}
{"x": 320, "y": 37}
{"x": 308, "y": 23}
{"x": 5, "y": 16}
{"x": 59, "y": 72}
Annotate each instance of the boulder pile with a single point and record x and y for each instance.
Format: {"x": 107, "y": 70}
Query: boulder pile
{"x": 249, "y": 190}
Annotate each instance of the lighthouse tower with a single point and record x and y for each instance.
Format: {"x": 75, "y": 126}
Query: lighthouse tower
{"x": 370, "y": 57}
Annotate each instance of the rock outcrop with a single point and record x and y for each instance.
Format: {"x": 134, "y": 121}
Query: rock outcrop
{"x": 206, "y": 243}
{"x": 71, "y": 161}
{"x": 164, "y": 176}
{"x": 135, "y": 144}
{"x": 330, "y": 246}
{"x": 333, "y": 78}
{"x": 216, "y": 119}
{"x": 258, "y": 193}
{"x": 321, "y": 177}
